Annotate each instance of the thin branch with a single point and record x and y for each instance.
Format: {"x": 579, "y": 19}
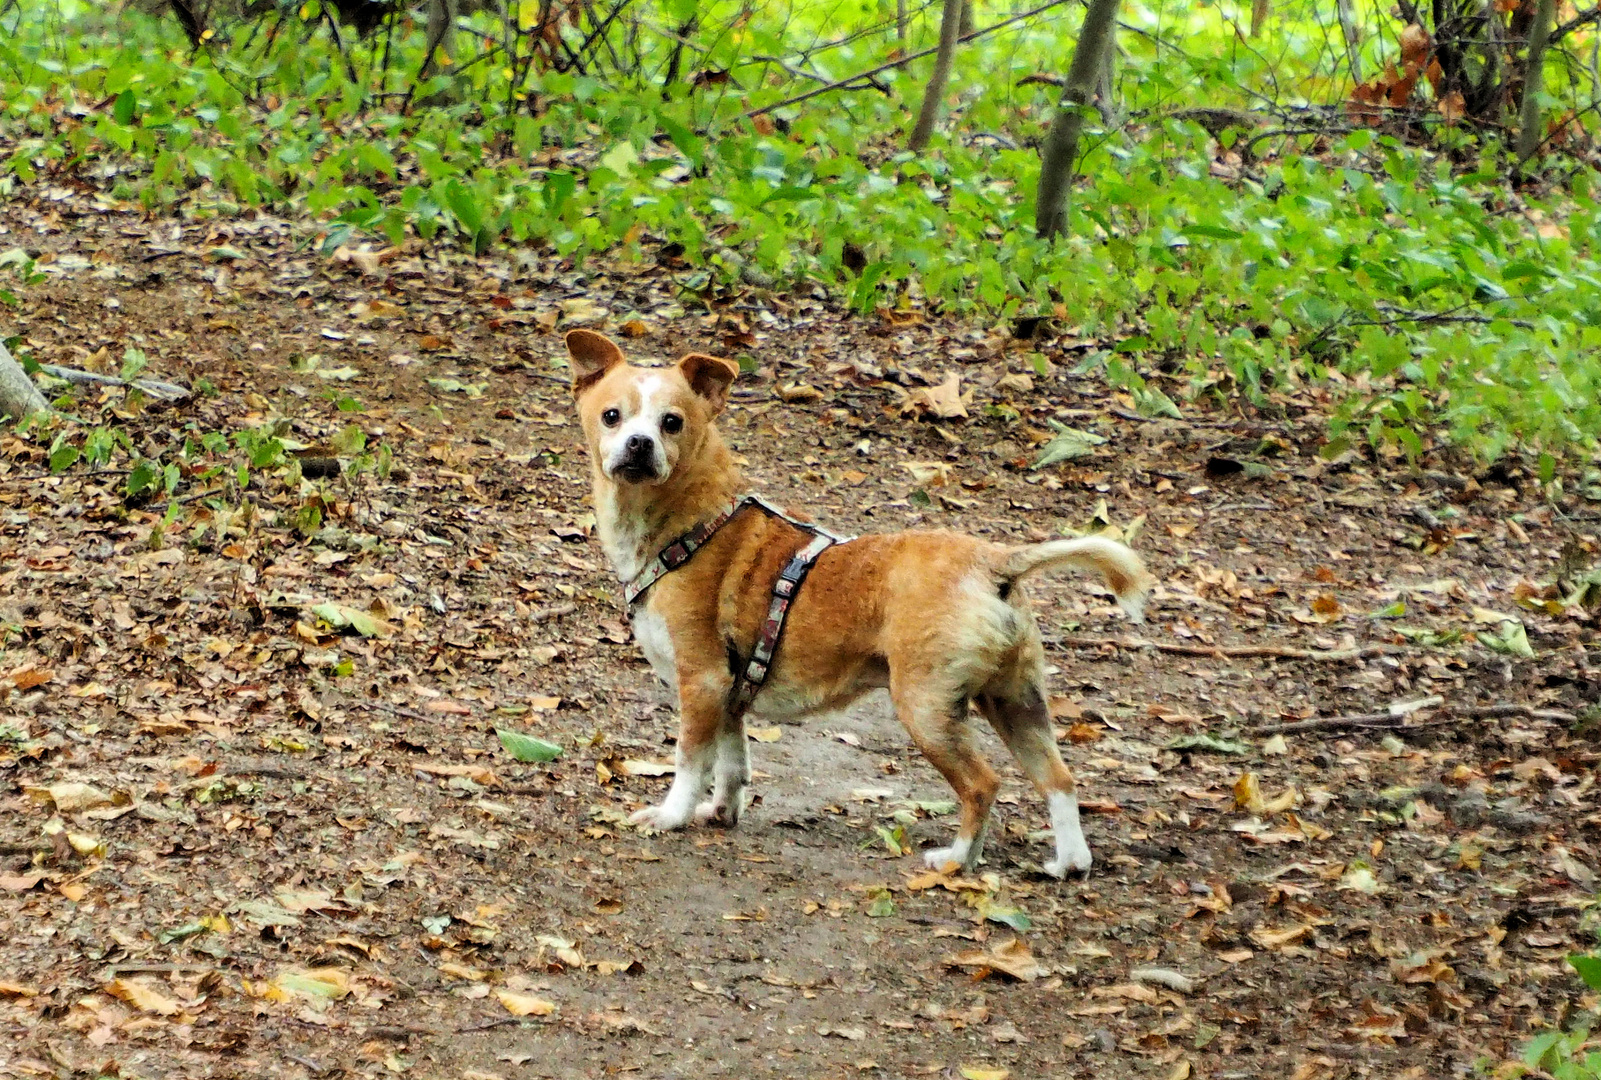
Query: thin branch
{"x": 163, "y": 390}
{"x": 1223, "y": 652}
{"x": 840, "y": 83}
{"x": 1389, "y": 721}
{"x": 1578, "y": 22}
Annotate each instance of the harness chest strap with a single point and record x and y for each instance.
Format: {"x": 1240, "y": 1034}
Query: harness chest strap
{"x": 749, "y": 682}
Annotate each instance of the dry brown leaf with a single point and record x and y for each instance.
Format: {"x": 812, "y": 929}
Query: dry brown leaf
{"x": 72, "y": 797}
{"x": 942, "y": 402}
{"x": 1279, "y": 939}
{"x": 1127, "y": 991}
{"x": 142, "y": 996}
{"x": 1011, "y": 958}
{"x": 478, "y": 774}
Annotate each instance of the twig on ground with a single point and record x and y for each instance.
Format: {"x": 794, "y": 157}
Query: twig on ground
{"x": 1392, "y": 721}
{"x": 1221, "y": 652}
{"x": 504, "y": 1021}
{"x": 164, "y": 390}
{"x": 24, "y": 848}
{"x": 554, "y": 611}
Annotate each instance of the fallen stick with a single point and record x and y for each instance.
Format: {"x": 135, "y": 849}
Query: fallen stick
{"x": 164, "y": 390}
{"x": 1391, "y": 721}
{"x": 1223, "y": 652}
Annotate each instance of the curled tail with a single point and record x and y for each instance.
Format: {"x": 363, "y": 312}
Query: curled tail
{"x": 1115, "y": 562}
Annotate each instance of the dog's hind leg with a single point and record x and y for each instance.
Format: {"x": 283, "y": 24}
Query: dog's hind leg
{"x": 1023, "y": 721}
{"x": 939, "y": 727}
{"x": 730, "y": 776}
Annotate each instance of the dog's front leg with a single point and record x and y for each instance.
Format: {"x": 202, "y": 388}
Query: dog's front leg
{"x": 698, "y": 724}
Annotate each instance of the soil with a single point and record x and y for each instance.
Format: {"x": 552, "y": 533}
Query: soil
{"x": 305, "y": 853}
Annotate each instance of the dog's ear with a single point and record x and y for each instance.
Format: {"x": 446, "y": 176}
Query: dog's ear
{"x": 709, "y": 377}
{"x": 593, "y": 355}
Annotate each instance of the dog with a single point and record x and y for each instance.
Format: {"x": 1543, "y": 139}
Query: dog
{"x": 938, "y": 618}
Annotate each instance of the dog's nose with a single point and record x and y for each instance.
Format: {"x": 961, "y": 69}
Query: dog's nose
{"x": 638, "y": 445}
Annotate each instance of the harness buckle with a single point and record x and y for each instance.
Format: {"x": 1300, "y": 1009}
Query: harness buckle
{"x": 676, "y": 554}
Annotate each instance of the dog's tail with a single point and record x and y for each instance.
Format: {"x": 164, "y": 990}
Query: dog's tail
{"x": 1115, "y": 562}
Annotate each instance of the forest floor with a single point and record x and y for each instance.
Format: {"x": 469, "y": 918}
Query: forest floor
{"x": 238, "y": 842}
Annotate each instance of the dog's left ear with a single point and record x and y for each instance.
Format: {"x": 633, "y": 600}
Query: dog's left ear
{"x": 709, "y": 376}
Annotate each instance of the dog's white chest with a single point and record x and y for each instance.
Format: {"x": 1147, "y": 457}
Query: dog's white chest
{"x": 650, "y": 630}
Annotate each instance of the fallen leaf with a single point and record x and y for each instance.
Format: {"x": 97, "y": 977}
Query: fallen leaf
{"x": 765, "y": 734}
{"x": 524, "y": 1004}
{"x": 142, "y": 996}
{"x": 71, "y": 797}
{"x": 975, "y": 1072}
{"x": 478, "y": 774}
{"x": 320, "y": 984}
{"x": 527, "y": 747}
{"x": 942, "y": 402}
{"x": 1011, "y": 958}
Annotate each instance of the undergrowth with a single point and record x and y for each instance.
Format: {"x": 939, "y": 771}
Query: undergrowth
{"x": 1434, "y": 301}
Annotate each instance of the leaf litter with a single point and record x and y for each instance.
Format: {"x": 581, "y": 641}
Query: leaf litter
{"x": 295, "y": 774}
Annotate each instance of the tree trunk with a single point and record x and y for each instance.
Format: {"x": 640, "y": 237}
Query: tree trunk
{"x": 1061, "y": 145}
{"x": 950, "y": 25}
{"x": 1533, "y": 81}
{"x": 1353, "y": 39}
{"x": 19, "y": 397}
{"x": 967, "y": 26}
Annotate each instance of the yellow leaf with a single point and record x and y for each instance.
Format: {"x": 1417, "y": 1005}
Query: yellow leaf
{"x": 462, "y": 971}
{"x": 319, "y": 983}
{"x": 975, "y": 1072}
{"x": 765, "y": 734}
{"x": 141, "y": 995}
{"x": 524, "y": 1004}
{"x": 1248, "y": 794}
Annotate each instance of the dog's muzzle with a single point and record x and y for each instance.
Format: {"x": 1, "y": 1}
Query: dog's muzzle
{"x": 638, "y": 461}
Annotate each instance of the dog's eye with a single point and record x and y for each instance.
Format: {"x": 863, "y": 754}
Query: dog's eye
{"x": 610, "y": 417}
{"x": 672, "y": 423}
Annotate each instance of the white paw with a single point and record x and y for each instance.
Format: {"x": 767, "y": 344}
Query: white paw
{"x": 943, "y": 858}
{"x": 658, "y": 819}
{"x": 721, "y": 811}
{"x": 1076, "y": 859}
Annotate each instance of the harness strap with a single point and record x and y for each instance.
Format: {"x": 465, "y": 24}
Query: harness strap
{"x": 748, "y": 683}
{"x": 677, "y": 553}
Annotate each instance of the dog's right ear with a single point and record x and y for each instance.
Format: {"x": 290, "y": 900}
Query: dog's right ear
{"x": 592, "y": 355}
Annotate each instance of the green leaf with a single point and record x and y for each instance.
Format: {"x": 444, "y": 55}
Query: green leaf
{"x": 1588, "y": 965}
{"x": 1213, "y": 743}
{"x": 340, "y": 616}
{"x": 461, "y": 205}
{"x": 1067, "y": 444}
{"x": 883, "y": 905}
{"x": 122, "y": 110}
{"x": 1211, "y": 232}
{"x": 178, "y": 933}
{"x": 1152, "y": 402}
{"x": 63, "y": 454}
{"x": 527, "y": 747}
{"x": 1511, "y": 640}
{"x": 1394, "y": 611}
{"x": 143, "y": 476}
{"x": 1005, "y": 916}
{"x": 621, "y": 158}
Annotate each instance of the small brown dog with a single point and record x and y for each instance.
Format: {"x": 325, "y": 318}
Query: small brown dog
{"x": 937, "y": 617}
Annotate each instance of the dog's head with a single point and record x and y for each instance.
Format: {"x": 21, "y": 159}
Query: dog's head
{"x": 639, "y": 421}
